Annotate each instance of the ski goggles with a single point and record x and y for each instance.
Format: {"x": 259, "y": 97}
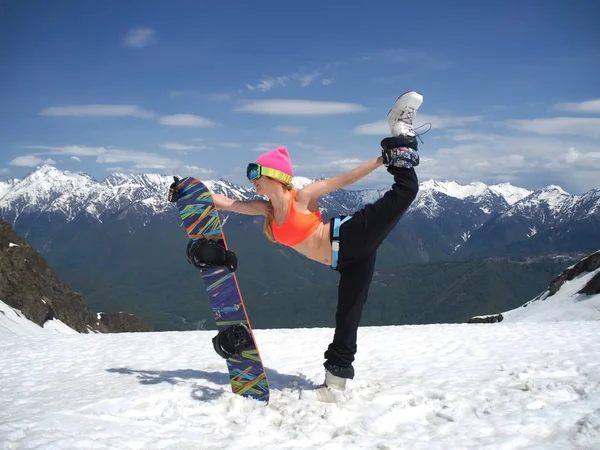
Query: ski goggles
{"x": 254, "y": 171}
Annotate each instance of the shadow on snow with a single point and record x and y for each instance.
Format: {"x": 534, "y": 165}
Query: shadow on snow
{"x": 277, "y": 380}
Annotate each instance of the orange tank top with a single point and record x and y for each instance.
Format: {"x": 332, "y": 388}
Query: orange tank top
{"x": 297, "y": 226}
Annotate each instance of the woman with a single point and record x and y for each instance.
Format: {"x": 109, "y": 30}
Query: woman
{"x": 348, "y": 244}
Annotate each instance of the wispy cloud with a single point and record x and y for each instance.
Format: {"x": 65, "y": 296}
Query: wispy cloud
{"x": 4, "y": 170}
{"x": 381, "y": 127}
{"x": 181, "y": 147}
{"x": 289, "y": 129}
{"x": 486, "y": 157}
{"x": 199, "y": 170}
{"x": 299, "y": 107}
{"x": 230, "y": 144}
{"x": 265, "y": 146}
{"x": 266, "y": 84}
{"x": 139, "y": 37}
{"x": 303, "y": 79}
{"x": 222, "y": 96}
{"x": 577, "y": 126}
{"x": 139, "y": 159}
{"x": 589, "y": 106}
{"x": 185, "y": 120}
{"x": 30, "y": 161}
{"x": 97, "y": 110}
{"x": 103, "y": 155}
{"x": 75, "y": 150}
{"x": 76, "y": 158}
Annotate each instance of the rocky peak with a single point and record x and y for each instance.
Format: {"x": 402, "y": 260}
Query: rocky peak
{"x": 587, "y": 264}
{"x": 29, "y": 284}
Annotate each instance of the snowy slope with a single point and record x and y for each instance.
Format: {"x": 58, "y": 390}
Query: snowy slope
{"x": 12, "y": 321}
{"x": 506, "y": 386}
{"x": 566, "y": 304}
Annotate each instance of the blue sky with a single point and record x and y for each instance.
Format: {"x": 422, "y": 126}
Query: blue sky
{"x": 511, "y": 88}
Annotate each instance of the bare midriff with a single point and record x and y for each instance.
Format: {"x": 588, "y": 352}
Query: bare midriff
{"x": 317, "y": 246}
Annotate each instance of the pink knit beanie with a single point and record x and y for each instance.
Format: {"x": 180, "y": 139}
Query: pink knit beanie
{"x": 278, "y": 159}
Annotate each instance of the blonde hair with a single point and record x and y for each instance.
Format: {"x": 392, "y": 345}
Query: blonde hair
{"x": 268, "y": 225}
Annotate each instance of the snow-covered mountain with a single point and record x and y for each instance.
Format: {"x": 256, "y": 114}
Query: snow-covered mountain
{"x": 443, "y": 218}
{"x": 48, "y": 189}
{"x": 546, "y": 218}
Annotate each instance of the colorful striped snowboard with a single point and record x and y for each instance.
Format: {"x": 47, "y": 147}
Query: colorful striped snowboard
{"x": 201, "y": 220}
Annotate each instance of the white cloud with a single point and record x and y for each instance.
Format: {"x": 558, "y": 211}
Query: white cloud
{"x": 265, "y": 146}
{"x": 4, "y": 170}
{"x": 76, "y": 158}
{"x": 270, "y": 82}
{"x": 289, "y": 129}
{"x": 589, "y": 106}
{"x": 222, "y": 96}
{"x": 199, "y": 170}
{"x": 299, "y": 107}
{"x": 115, "y": 169}
{"x": 230, "y": 144}
{"x": 104, "y": 155}
{"x": 176, "y": 93}
{"x": 307, "y": 79}
{"x": 381, "y": 127}
{"x": 140, "y": 159}
{"x": 185, "y": 120}
{"x": 139, "y": 37}
{"x": 326, "y": 81}
{"x": 75, "y": 150}
{"x": 30, "y": 161}
{"x": 495, "y": 157}
{"x": 97, "y": 111}
{"x": 182, "y": 147}
{"x": 578, "y": 126}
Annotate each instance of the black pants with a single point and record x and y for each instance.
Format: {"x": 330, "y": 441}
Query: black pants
{"x": 359, "y": 239}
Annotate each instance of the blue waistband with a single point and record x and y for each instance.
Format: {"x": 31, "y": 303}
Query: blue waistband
{"x": 335, "y": 239}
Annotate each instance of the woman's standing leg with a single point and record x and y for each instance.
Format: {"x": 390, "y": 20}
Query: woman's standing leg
{"x": 360, "y": 238}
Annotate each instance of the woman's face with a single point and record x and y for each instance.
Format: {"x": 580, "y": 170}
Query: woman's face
{"x": 265, "y": 185}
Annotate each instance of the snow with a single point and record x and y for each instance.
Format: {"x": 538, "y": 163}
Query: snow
{"x": 453, "y": 189}
{"x": 48, "y": 189}
{"x": 502, "y": 386}
{"x": 556, "y": 198}
{"x": 13, "y": 322}
{"x": 512, "y": 194}
{"x": 566, "y": 304}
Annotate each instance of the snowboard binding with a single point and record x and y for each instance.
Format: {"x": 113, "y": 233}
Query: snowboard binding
{"x": 207, "y": 254}
{"x": 173, "y": 195}
{"x": 230, "y": 341}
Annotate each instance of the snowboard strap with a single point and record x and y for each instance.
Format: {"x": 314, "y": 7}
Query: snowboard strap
{"x": 335, "y": 239}
{"x": 208, "y": 253}
{"x": 229, "y": 342}
{"x": 173, "y": 191}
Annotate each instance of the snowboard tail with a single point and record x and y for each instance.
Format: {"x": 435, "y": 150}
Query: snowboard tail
{"x": 200, "y": 219}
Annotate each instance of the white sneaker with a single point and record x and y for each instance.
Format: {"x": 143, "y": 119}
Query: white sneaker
{"x": 401, "y": 116}
{"x": 331, "y": 391}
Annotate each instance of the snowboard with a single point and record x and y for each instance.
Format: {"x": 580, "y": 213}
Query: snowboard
{"x": 202, "y": 223}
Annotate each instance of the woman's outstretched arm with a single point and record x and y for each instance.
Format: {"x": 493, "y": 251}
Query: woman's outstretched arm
{"x": 256, "y": 207}
{"x": 318, "y": 188}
